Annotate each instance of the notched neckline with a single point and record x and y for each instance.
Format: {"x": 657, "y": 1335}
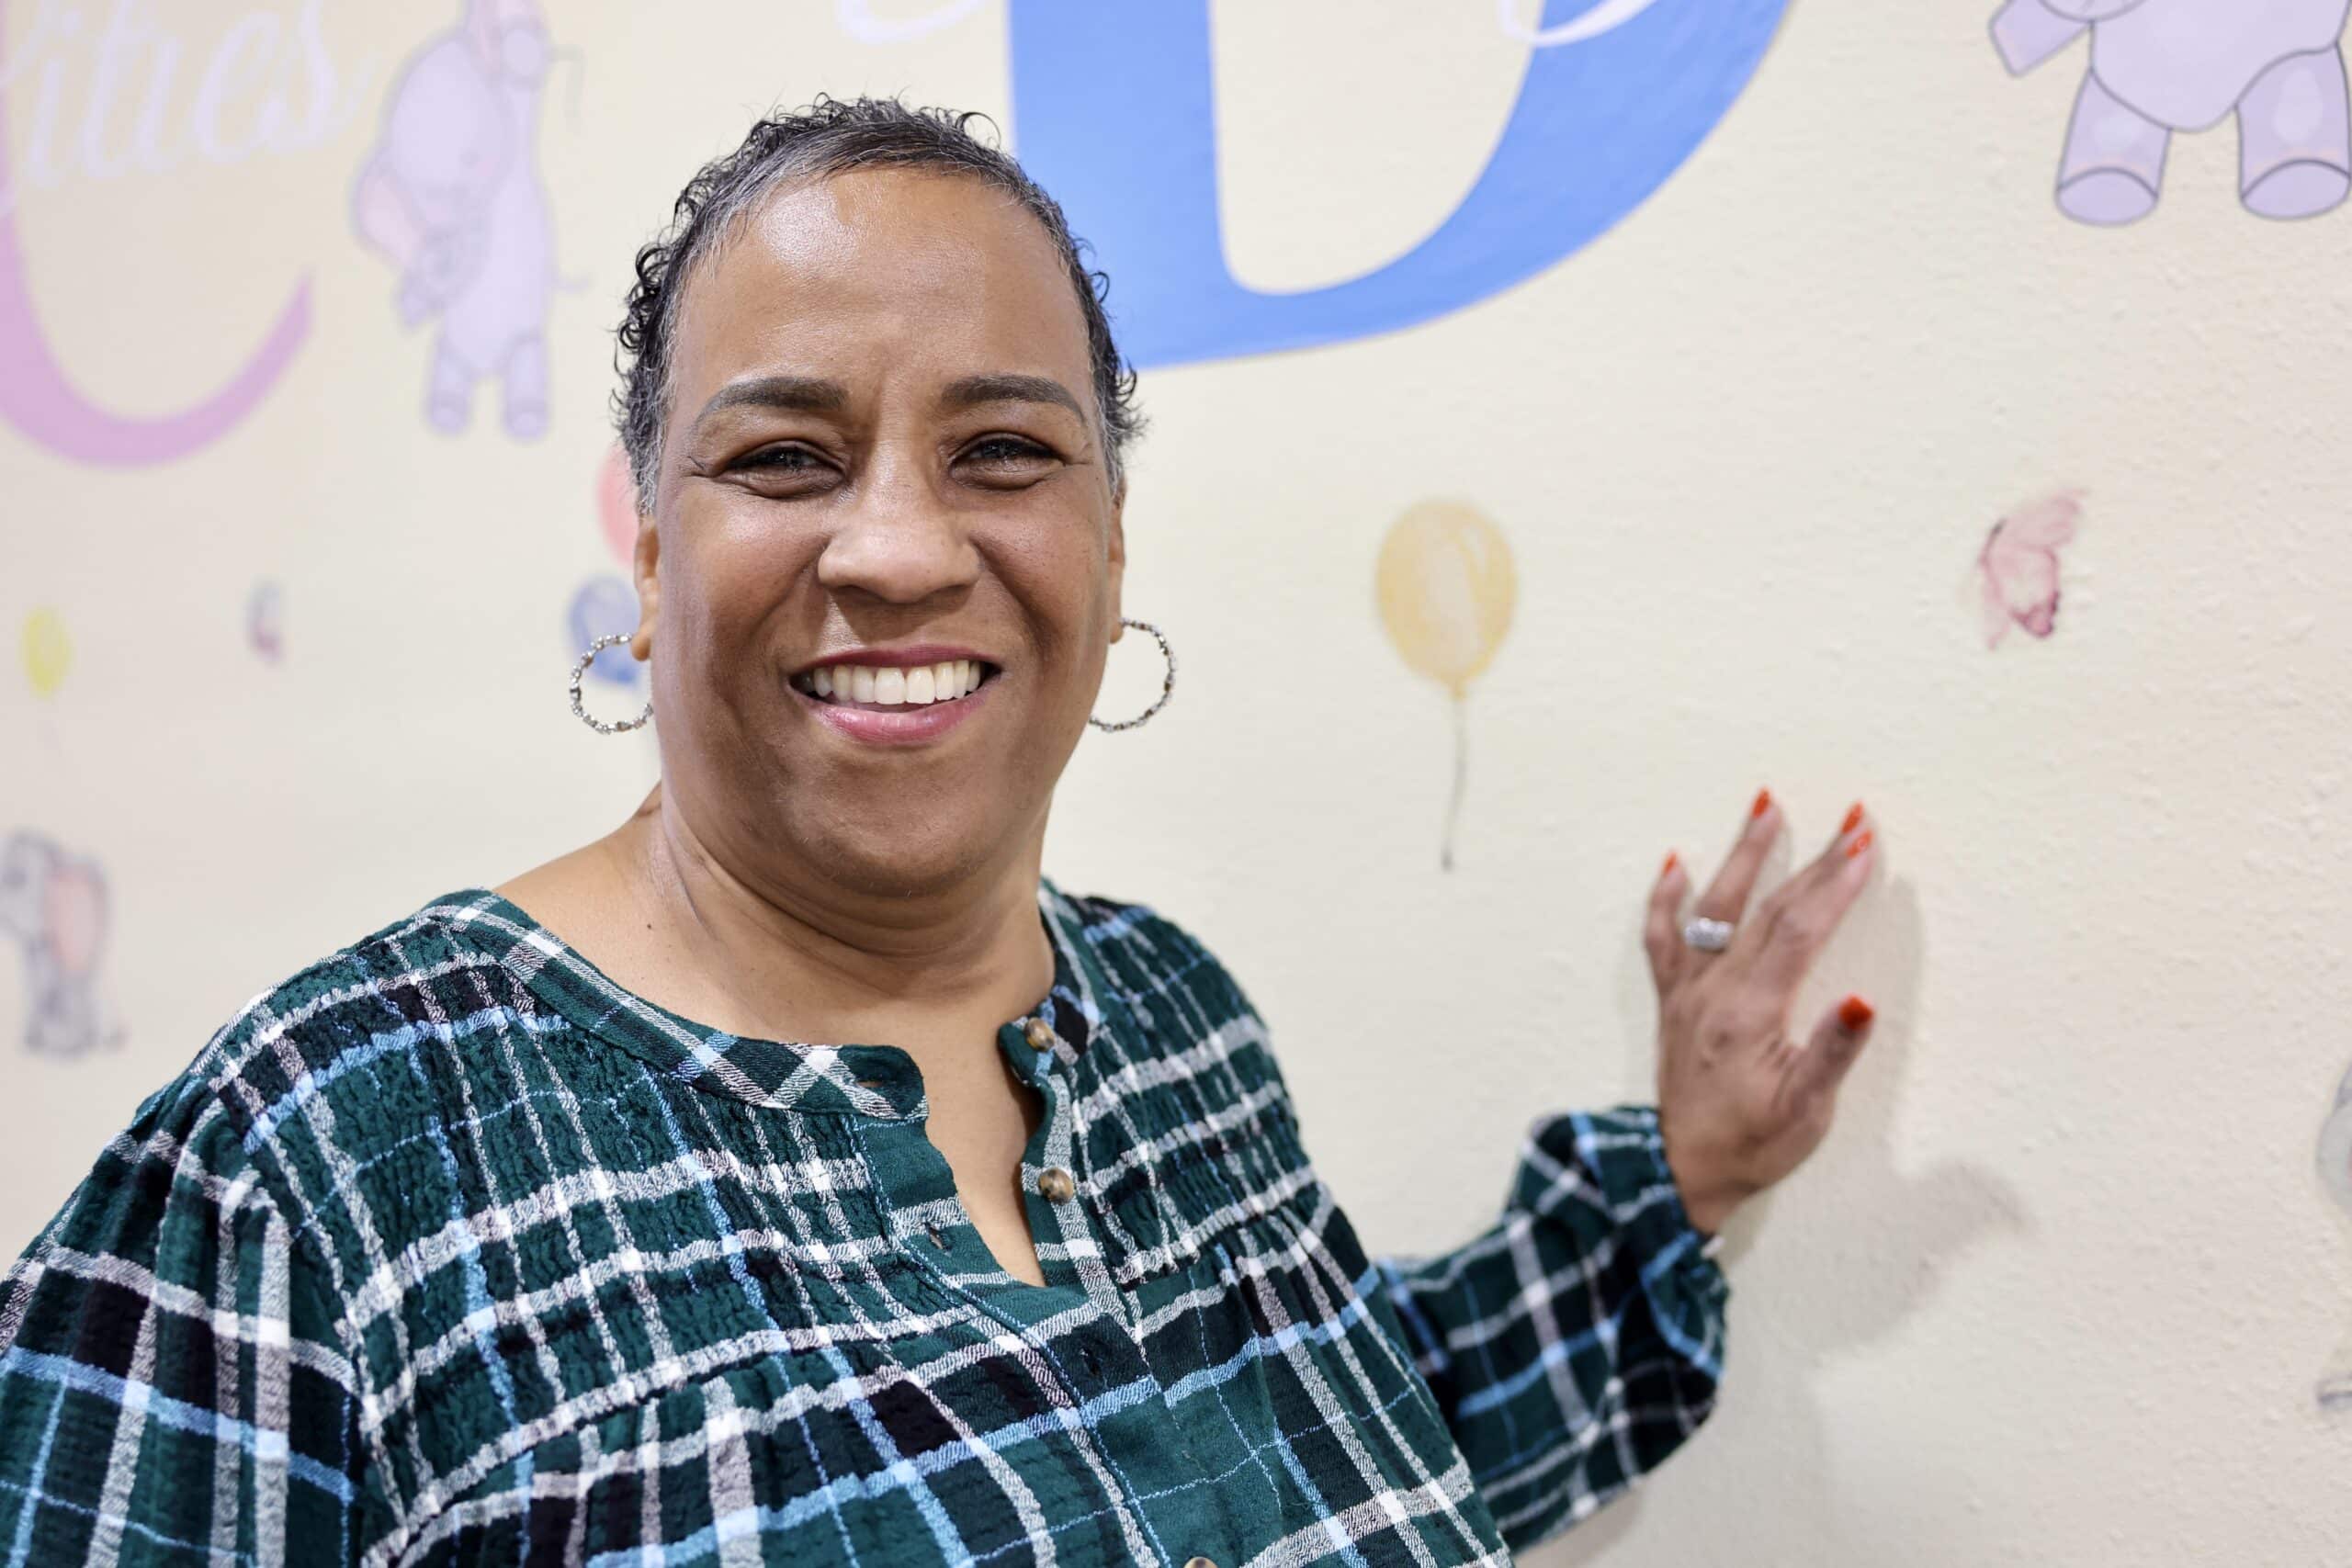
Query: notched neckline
{"x": 804, "y": 1077}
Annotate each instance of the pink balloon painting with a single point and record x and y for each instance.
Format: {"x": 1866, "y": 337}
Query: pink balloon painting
{"x": 616, "y": 505}
{"x": 2017, "y": 569}
{"x": 54, "y": 905}
{"x": 452, "y": 197}
{"x": 2162, "y": 66}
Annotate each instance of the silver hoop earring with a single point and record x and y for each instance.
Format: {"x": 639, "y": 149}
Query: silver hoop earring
{"x": 1167, "y": 683}
{"x": 580, "y": 673}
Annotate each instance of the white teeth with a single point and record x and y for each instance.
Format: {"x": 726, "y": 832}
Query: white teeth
{"x": 891, "y": 686}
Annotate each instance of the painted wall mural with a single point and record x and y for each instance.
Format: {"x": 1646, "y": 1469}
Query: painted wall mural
{"x": 856, "y": 18}
{"x": 2334, "y": 1390}
{"x": 2158, "y": 67}
{"x": 1446, "y": 587}
{"x": 452, "y": 197}
{"x": 46, "y": 652}
{"x": 53, "y": 906}
{"x": 1114, "y": 112}
{"x": 66, "y": 67}
{"x": 1113, "y": 109}
{"x": 2017, "y": 571}
{"x": 265, "y": 621}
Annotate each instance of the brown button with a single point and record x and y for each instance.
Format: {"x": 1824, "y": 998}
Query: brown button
{"x": 1054, "y": 1186}
{"x": 1198, "y": 1562}
{"x": 1041, "y": 1036}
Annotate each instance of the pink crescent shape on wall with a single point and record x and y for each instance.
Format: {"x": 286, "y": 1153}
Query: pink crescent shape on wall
{"x": 40, "y": 399}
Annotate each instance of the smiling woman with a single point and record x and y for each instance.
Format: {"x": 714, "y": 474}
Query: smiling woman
{"x": 795, "y": 1174}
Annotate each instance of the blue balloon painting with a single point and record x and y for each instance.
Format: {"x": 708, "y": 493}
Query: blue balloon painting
{"x": 605, "y": 607}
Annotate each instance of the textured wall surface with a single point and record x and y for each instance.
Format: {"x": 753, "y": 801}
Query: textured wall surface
{"x": 2063, "y": 1285}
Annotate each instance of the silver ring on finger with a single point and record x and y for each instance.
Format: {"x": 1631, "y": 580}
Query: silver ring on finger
{"x": 1706, "y": 935}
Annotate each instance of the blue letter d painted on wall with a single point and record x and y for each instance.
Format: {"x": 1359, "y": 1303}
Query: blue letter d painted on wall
{"x": 1114, "y": 112}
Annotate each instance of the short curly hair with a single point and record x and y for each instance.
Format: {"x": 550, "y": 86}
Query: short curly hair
{"x": 831, "y": 137}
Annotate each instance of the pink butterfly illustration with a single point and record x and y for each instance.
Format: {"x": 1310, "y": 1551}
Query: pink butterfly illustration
{"x": 2017, "y": 569}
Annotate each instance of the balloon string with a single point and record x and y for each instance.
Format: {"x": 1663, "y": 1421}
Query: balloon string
{"x": 1461, "y": 767}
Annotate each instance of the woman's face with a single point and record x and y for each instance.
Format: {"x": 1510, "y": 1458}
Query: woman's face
{"x": 881, "y": 452}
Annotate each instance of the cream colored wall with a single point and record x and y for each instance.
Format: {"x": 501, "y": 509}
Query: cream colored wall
{"x": 2061, "y": 1287}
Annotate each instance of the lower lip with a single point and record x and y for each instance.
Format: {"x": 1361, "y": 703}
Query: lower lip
{"x": 905, "y": 726}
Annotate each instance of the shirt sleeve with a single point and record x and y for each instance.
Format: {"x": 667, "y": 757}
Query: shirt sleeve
{"x": 1578, "y": 1341}
{"x": 172, "y": 1385}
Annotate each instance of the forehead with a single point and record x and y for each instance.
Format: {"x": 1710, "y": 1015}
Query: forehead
{"x": 880, "y": 272}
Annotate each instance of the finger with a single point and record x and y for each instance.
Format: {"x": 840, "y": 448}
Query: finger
{"x": 1662, "y": 925}
{"x": 1803, "y": 915}
{"x": 1727, "y": 895}
{"x": 1837, "y": 1040}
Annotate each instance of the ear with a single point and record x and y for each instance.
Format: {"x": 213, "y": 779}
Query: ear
{"x": 644, "y": 566}
{"x": 1118, "y": 560}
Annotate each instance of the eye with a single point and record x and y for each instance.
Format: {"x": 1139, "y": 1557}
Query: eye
{"x": 782, "y": 459}
{"x": 1002, "y": 458}
{"x": 785, "y": 469}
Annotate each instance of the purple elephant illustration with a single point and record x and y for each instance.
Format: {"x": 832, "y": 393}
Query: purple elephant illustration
{"x": 54, "y": 905}
{"x": 2017, "y": 569}
{"x": 2161, "y": 66}
{"x": 452, "y": 197}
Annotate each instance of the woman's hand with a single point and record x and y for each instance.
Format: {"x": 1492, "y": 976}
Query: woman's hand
{"x": 1740, "y": 1102}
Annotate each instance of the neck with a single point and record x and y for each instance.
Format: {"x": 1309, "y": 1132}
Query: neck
{"x": 785, "y": 956}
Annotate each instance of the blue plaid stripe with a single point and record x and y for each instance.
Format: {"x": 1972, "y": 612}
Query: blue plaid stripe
{"x": 450, "y": 1249}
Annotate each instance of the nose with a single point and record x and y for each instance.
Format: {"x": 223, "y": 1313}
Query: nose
{"x": 897, "y": 541}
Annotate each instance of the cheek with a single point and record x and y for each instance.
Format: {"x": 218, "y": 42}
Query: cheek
{"x": 729, "y": 571}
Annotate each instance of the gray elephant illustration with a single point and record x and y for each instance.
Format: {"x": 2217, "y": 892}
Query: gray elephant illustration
{"x": 452, "y": 197}
{"x": 54, "y": 905}
{"x": 2162, "y": 66}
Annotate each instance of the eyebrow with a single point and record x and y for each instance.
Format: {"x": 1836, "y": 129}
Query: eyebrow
{"x": 807, "y": 394}
{"x": 813, "y": 394}
{"x": 973, "y": 391}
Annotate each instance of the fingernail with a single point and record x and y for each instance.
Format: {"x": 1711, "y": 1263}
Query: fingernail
{"x": 1860, "y": 844}
{"x": 1763, "y": 804}
{"x": 1854, "y": 1012}
{"x": 1853, "y": 820}
{"x": 1667, "y": 869}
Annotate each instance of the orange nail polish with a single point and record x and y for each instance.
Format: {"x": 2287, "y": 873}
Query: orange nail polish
{"x": 1763, "y": 804}
{"x": 1853, "y": 820}
{"x": 1854, "y": 1012}
{"x": 1858, "y": 845}
{"x": 1667, "y": 869}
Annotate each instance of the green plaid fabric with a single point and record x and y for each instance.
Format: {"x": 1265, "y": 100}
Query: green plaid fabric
{"x": 449, "y": 1249}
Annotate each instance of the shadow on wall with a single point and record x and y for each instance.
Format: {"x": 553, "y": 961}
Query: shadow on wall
{"x": 1832, "y": 1270}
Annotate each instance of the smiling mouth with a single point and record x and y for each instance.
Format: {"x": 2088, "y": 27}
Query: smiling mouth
{"x": 894, "y": 687}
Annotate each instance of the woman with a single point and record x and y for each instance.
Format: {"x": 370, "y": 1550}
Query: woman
{"x": 517, "y": 1231}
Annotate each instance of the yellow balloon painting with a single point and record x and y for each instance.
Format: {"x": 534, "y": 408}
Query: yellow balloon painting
{"x": 47, "y": 652}
{"x": 1446, "y": 588}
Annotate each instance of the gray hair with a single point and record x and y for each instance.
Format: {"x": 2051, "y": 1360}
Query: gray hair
{"x": 833, "y": 137}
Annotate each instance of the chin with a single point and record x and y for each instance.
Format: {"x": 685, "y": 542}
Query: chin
{"x": 895, "y": 865}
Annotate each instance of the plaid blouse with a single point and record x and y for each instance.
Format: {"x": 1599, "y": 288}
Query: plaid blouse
{"x": 451, "y": 1250}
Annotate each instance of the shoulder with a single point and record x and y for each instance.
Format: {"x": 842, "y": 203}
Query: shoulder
{"x": 1187, "y": 1010}
{"x": 1143, "y": 952}
{"x": 307, "y": 1059}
